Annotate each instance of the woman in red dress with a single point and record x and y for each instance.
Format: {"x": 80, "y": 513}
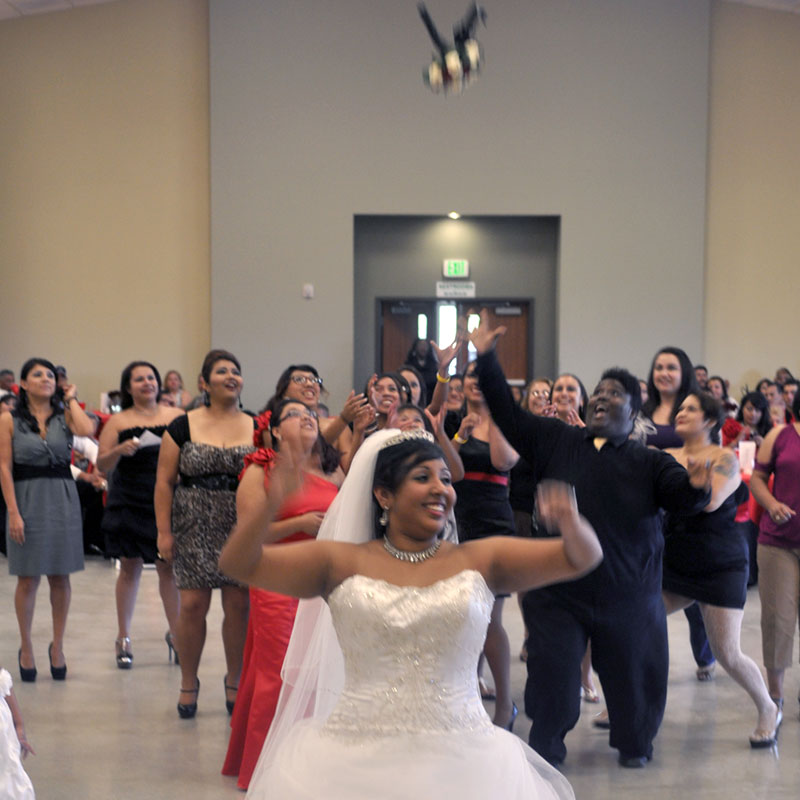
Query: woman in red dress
{"x": 295, "y": 426}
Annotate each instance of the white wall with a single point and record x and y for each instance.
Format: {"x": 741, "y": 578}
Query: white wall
{"x": 593, "y": 110}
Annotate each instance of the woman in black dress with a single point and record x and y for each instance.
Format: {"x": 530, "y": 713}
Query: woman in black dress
{"x": 705, "y": 560}
{"x": 129, "y": 445}
{"x": 483, "y": 509}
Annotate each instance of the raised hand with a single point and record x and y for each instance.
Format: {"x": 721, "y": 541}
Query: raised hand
{"x": 484, "y": 337}
{"x": 437, "y": 420}
{"x": 699, "y": 473}
{"x": 556, "y": 505}
{"x": 353, "y": 404}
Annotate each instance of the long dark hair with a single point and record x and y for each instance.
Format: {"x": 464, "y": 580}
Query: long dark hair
{"x": 283, "y": 384}
{"x": 688, "y": 383}
{"x": 395, "y": 462}
{"x": 584, "y": 395}
{"x": 759, "y": 402}
{"x": 125, "y": 382}
{"x": 423, "y": 389}
{"x": 328, "y": 455}
{"x": 23, "y": 409}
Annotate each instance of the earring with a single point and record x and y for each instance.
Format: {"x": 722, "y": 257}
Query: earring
{"x": 206, "y": 398}
{"x": 384, "y": 518}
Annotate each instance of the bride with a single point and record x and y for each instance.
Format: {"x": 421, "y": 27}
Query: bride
{"x": 389, "y": 707}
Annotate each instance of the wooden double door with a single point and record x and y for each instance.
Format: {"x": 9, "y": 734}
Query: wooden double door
{"x": 400, "y": 321}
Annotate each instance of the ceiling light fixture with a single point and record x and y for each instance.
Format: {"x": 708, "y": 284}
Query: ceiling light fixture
{"x": 454, "y": 215}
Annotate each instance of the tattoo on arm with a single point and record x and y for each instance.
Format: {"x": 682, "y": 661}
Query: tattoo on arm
{"x": 727, "y": 466}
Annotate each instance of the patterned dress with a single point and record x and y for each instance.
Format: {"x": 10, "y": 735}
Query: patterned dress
{"x": 203, "y": 507}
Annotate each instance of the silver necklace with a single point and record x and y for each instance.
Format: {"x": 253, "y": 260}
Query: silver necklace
{"x": 408, "y": 555}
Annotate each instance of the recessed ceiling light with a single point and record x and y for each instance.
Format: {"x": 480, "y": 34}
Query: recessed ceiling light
{"x": 454, "y": 215}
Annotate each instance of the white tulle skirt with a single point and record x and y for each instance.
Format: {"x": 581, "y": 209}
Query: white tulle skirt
{"x": 312, "y": 763}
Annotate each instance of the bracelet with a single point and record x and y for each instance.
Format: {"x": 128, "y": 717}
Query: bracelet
{"x": 458, "y": 440}
{"x": 68, "y": 400}
{"x": 441, "y": 379}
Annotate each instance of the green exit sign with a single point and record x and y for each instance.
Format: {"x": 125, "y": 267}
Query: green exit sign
{"x": 456, "y": 268}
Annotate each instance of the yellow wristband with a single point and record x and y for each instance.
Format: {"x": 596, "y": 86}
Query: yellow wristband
{"x": 441, "y": 379}
{"x": 459, "y": 440}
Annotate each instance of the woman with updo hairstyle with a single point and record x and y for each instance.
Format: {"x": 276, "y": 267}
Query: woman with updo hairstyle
{"x": 380, "y": 696}
{"x": 202, "y": 454}
{"x": 44, "y": 532}
{"x": 129, "y": 445}
{"x": 294, "y": 431}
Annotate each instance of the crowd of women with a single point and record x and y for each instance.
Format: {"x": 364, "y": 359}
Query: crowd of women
{"x": 181, "y": 471}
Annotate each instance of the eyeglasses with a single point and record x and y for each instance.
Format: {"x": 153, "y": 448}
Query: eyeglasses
{"x": 296, "y": 413}
{"x": 539, "y": 394}
{"x": 302, "y": 380}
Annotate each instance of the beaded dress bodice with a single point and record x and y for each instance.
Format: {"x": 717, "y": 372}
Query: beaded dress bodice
{"x": 410, "y": 656}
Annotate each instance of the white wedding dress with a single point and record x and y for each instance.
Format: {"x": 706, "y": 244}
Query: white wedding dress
{"x": 409, "y": 722}
{"x": 14, "y": 781}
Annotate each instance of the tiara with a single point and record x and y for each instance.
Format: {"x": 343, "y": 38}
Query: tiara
{"x": 407, "y": 436}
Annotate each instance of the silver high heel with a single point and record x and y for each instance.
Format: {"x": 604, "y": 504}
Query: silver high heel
{"x": 124, "y": 655}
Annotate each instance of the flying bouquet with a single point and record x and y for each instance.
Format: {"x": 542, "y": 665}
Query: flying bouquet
{"x": 455, "y": 65}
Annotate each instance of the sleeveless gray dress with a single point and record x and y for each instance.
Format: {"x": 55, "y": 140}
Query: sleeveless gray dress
{"x": 48, "y": 502}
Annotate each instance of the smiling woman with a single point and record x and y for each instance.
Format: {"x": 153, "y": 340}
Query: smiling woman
{"x": 44, "y": 516}
{"x": 205, "y": 449}
{"x": 129, "y": 445}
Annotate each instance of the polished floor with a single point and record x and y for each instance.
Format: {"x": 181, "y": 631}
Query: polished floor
{"x": 106, "y": 734}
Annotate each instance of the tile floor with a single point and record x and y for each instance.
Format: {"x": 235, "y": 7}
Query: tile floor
{"x": 105, "y": 734}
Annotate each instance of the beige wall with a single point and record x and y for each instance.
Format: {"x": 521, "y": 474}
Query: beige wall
{"x": 753, "y": 239}
{"x": 104, "y": 244}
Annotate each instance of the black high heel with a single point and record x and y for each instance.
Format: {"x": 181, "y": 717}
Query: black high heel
{"x": 229, "y": 704}
{"x": 514, "y": 712}
{"x": 27, "y": 674}
{"x": 124, "y": 655}
{"x": 188, "y": 710}
{"x": 58, "y": 673}
{"x": 172, "y": 651}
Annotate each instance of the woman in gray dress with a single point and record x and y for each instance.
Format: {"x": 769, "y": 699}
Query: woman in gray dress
{"x": 44, "y": 530}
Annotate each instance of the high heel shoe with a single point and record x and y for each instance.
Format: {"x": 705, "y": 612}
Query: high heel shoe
{"x": 514, "y": 712}
{"x": 27, "y": 674}
{"x": 124, "y": 655}
{"x": 763, "y": 740}
{"x": 229, "y": 704}
{"x": 172, "y": 652}
{"x": 58, "y": 673}
{"x": 188, "y": 710}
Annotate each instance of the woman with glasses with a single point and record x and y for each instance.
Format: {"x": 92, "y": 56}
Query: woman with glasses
{"x": 205, "y": 449}
{"x": 302, "y": 382}
{"x": 294, "y": 427}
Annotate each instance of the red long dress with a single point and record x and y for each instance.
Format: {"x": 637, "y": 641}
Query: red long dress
{"x": 268, "y": 631}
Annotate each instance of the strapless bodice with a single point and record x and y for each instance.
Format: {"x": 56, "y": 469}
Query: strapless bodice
{"x": 410, "y": 655}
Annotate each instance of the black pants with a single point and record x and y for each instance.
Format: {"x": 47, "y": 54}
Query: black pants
{"x": 629, "y": 653}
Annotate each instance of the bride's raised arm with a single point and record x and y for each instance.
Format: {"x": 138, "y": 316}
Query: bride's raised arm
{"x": 520, "y": 564}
